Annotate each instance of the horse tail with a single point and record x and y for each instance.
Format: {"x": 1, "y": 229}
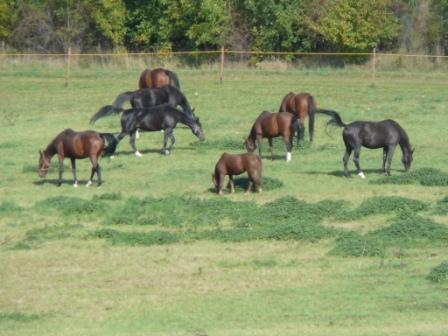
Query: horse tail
{"x": 336, "y": 118}
{"x": 174, "y": 80}
{"x": 295, "y": 124}
{"x": 311, "y": 115}
{"x": 110, "y": 143}
{"x": 115, "y": 108}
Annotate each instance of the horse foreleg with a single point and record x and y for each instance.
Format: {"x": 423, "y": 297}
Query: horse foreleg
{"x": 231, "y": 184}
{"x": 94, "y": 169}
{"x": 384, "y": 159}
{"x": 61, "y": 169}
{"x": 166, "y": 136}
{"x": 390, "y": 154}
{"x": 271, "y": 149}
{"x": 259, "y": 141}
{"x": 356, "y": 160}
{"x": 75, "y": 182}
{"x": 173, "y": 140}
{"x": 288, "y": 143}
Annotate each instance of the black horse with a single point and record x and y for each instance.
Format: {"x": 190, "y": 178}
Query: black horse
{"x": 386, "y": 134}
{"x": 145, "y": 98}
{"x": 162, "y": 117}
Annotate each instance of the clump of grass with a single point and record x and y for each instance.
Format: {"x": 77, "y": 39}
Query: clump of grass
{"x": 138, "y": 238}
{"x": 221, "y": 144}
{"x": 9, "y": 207}
{"x": 410, "y": 232}
{"x": 423, "y": 176}
{"x": 53, "y": 232}
{"x": 21, "y": 246}
{"x": 269, "y": 184}
{"x": 108, "y": 197}
{"x": 357, "y": 245}
{"x": 72, "y": 205}
{"x": 382, "y": 205}
{"x": 441, "y": 207}
{"x": 18, "y": 317}
{"x": 439, "y": 273}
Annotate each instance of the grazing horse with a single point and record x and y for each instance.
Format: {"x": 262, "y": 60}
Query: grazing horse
{"x": 77, "y": 145}
{"x": 301, "y": 105}
{"x": 161, "y": 117}
{"x": 157, "y": 78}
{"x": 386, "y": 134}
{"x": 146, "y": 98}
{"x": 270, "y": 125}
{"x": 230, "y": 164}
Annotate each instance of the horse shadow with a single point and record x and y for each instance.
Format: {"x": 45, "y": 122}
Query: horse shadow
{"x": 152, "y": 151}
{"x": 55, "y": 182}
{"x": 340, "y": 173}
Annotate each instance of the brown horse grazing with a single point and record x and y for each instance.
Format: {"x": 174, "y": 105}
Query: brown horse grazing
{"x": 157, "y": 78}
{"x": 77, "y": 145}
{"x": 301, "y": 105}
{"x": 270, "y": 125}
{"x": 231, "y": 164}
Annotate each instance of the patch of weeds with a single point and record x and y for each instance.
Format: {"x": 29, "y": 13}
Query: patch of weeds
{"x": 72, "y": 205}
{"x": 10, "y": 144}
{"x": 21, "y": 246}
{"x": 269, "y": 184}
{"x": 54, "y": 232}
{"x": 384, "y": 204}
{"x": 9, "y": 207}
{"x": 439, "y": 273}
{"x": 404, "y": 233}
{"x": 357, "y": 245}
{"x": 264, "y": 263}
{"x": 138, "y": 238}
{"x": 441, "y": 207}
{"x": 18, "y": 317}
{"x": 423, "y": 176}
{"x": 108, "y": 197}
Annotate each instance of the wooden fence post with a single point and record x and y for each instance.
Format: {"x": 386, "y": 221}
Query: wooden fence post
{"x": 67, "y": 75}
{"x": 221, "y": 73}
{"x": 373, "y": 66}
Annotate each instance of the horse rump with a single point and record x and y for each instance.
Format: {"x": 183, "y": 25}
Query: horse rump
{"x": 110, "y": 143}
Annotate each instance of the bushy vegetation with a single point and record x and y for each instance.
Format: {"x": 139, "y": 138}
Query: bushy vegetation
{"x": 424, "y": 176}
{"x": 439, "y": 273}
{"x": 293, "y": 25}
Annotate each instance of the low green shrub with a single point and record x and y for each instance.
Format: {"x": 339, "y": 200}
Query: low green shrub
{"x": 439, "y": 273}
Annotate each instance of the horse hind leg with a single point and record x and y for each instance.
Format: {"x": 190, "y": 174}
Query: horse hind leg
{"x": 348, "y": 152}
{"x": 356, "y": 160}
{"x": 133, "y": 144}
{"x": 75, "y": 180}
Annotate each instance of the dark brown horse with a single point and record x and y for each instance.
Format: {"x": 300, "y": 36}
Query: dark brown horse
{"x": 77, "y": 145}
{"x": 270, "y": 125}
{"x": 157, "y": 78}
{"x": 302, "y": 105}
{"x": 230, "y": 164}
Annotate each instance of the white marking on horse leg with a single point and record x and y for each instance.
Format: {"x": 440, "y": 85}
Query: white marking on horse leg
{"x": 75, "y": 184}
{"x": 89, "y": 183}
{"x": 137, "y": 153}
{"x": 361, "y": 175}
{"x": 112, "y": 157}
{"x": 167, "y": 152}
{"x": 137, "y": 134}
{"x": 288, "y": 156}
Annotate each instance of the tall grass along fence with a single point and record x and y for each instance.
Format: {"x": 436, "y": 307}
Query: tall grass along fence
{"x": 370, "y": 64}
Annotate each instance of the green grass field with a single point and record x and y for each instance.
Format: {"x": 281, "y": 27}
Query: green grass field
{"x": 155, "y": 252}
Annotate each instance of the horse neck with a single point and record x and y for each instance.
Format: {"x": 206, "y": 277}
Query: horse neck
{"x": 185, "y": 119}
{"x": 51, "y": 150}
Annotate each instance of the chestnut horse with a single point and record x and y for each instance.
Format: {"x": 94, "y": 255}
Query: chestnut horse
{"x": 77, "y": 145}
{"x": 236, "y": 164}
{"x": 302, "y": 105}
{"x": 270, "y": 125}
{"x": 157, "y": 78}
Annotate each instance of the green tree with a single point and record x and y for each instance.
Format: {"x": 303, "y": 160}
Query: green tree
{"x": 351, "y": 25}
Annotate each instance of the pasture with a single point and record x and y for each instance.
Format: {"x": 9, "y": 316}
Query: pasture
{"x": 155, "y": 251}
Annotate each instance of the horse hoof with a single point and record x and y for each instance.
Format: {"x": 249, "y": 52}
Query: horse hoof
{"x": 112, "y": 157}
{"x": 75, "y": 185}
{"x": 89, "y": 183}
{"x": 260, "y": 191}
{"x": 166, "y": 152}
{"x": 288, "y": 157}
{"x": 361, "y": 175}
{"x": 138, "y": 154}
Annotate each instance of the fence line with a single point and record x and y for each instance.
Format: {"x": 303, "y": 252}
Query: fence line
{"x": 223, "y": 52}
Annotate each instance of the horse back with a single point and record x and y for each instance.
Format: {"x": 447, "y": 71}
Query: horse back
{"x": 159, "y": 78}
{"x": 79, "y": 145}
{"x": 236, "y": 164}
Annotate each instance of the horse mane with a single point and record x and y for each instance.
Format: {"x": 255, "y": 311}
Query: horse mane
{"x": 404, "y": 142}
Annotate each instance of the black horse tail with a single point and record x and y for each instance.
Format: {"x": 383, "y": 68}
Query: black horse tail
{"x": 311, "y": 115}
{"x": 295, "y": 124}
{"x": 110, "y": 143}
{"x": 115, "y": 108}
{"x": 336, "y": 118}
{"x": 173, "y": 79}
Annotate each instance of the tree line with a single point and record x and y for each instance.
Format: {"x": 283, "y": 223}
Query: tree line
{"x": 259, "y": 25}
